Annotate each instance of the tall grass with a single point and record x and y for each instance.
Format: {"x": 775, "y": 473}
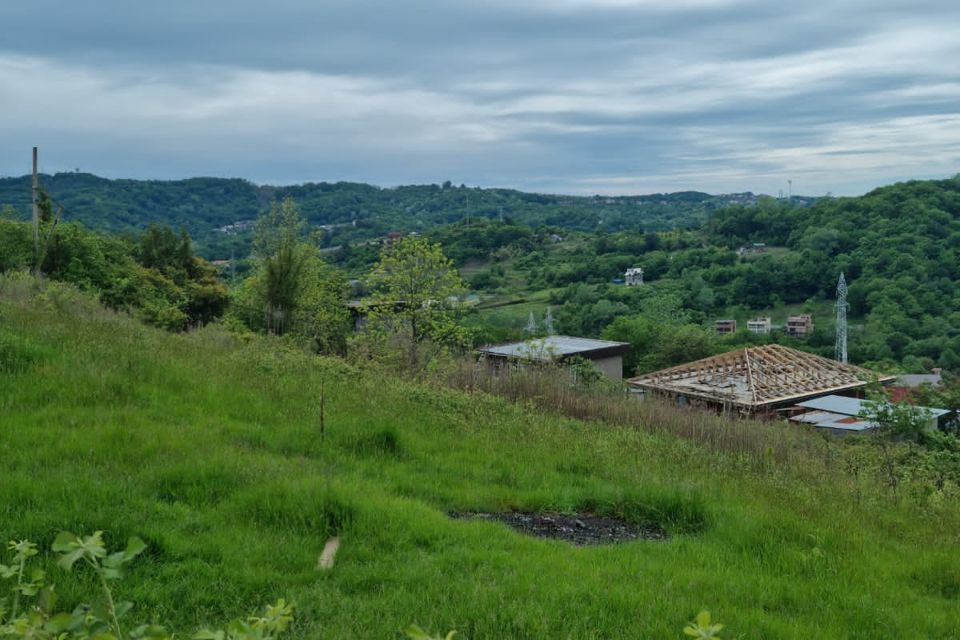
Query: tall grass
{"x": 551, "y": 388}
{"x": 207, "y": 446}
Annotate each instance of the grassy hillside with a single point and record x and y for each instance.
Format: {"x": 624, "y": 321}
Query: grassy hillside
{"x": 209, "y": 448}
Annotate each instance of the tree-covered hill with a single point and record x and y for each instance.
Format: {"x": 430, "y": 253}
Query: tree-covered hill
{"x": 205, "y": 205}
{"x": 899, "y": 247}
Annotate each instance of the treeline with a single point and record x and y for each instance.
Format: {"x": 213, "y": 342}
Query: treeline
{"x": 353, "y": 212}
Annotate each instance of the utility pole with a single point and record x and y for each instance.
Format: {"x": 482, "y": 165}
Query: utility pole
{"x": 36, "y": 216}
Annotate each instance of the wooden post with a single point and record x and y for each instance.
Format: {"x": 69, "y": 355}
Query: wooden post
{"x": 36, "y": 217}
{"x": 323, "y": 425}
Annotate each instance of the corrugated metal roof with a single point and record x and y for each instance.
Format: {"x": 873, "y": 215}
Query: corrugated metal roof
{"x": 852, "y": 406}
{"x": 551, "y": 347}
{"x": 812, "y": 417}
{"x": 839, "y": 425}
{"x": 828, "y": 420}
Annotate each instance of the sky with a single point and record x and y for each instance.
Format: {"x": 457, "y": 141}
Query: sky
{"x": 563, "y": 96}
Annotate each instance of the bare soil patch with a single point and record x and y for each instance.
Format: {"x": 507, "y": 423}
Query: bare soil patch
{"x": 578, "y": 528}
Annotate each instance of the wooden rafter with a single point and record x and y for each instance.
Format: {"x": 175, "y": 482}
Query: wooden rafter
{"x": 756, "y": 376}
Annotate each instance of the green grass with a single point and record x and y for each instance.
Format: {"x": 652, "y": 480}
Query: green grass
{"x": 209, "y": 449}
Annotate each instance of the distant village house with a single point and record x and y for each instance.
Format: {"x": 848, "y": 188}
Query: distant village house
{"x": 634, "y": 277}
{"x": 800, "y": 326}
{"x": 760, "y": 326}
{"x": 725, "y": 327}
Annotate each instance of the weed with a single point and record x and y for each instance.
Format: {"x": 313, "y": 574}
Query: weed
{"x": 41, "y": 621}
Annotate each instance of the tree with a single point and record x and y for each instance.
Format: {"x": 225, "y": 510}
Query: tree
{"x": 292, "y": 290}
{"x": 168, "y": 252}
{"x": 279, "y": 246}
{"x": 657, "y": 343}
{"x": 414, "y": 302}
{"x": 896, "y": 422}
{"x": 281, "y": 225}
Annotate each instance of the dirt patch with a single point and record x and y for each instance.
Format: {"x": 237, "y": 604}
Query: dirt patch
{"x": 577, "y": 528}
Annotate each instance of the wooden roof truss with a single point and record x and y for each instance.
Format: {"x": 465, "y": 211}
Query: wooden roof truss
{"x": 756, "y": 376}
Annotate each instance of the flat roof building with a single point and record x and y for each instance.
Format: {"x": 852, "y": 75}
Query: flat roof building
{"x": 605, "y": 354}
{"x": 800, "y": 326}
{"x": 759, "y": 325}
{"x": 724, "y": 327}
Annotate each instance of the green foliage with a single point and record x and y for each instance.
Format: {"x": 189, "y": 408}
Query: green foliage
{"x": 702, "y": 628}
{"x": 274, "y": 621}
{"x": 159, "y": 279}
{"x": 414, "y": 303}
{"x": 656, "y": 343}
{"x": 896, "y": 420}
{"x": 291, "y": 289}
{"x": 41, "y": 621}
{"x": 204, "y": 205}
{"x": 414, "y": 632}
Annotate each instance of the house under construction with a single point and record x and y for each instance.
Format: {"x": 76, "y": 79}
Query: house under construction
{"x": 756, "y": 380}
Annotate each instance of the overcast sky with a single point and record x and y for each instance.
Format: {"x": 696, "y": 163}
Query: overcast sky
{"x": 573, "y": 96}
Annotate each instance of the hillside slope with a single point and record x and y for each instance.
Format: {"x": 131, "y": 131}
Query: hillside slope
{"x": 210, "y": 449}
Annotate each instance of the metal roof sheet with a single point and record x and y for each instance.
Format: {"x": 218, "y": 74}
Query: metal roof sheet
{"x": 853, "y": 406}
{"x": 551, "y": 347}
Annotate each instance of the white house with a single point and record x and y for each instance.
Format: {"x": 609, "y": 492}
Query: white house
{"x": 634, "y": 276}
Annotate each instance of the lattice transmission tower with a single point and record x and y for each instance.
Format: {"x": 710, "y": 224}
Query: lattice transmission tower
{"x": 840, "y": 350}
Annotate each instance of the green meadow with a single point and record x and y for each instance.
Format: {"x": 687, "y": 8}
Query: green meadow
{"x": 210, "y": 448}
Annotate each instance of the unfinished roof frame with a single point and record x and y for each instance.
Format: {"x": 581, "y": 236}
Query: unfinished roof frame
{"x": 757, "y": 377}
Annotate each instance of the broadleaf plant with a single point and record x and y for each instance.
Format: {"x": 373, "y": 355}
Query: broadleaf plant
{"x": 38, "y": 620}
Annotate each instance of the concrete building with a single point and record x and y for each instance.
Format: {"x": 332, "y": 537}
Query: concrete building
{"x": 755, "y": 380}
{"x": 800, "y": 326}
{"x": 759, "y": 325}
{"x": 724, "y": 327}
{"x": 634, "y": 276}
{"x": 604, "y": 354}
{"x": 752, "y": 249}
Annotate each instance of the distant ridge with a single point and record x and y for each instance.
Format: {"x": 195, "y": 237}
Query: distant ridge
{"x": 205, "y": 205}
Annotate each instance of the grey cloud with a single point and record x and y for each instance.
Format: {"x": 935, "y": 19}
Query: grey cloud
{"x": 563, "y": 95}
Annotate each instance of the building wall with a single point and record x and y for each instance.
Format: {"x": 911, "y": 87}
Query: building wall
{"x": 612, "y": 366}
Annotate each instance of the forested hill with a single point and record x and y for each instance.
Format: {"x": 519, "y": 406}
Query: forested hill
{"x": 204, "y": 205}
{"x": 899, "y": 247}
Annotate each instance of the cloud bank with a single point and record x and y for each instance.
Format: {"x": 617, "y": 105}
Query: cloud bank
{"x": 574, "y": 96}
